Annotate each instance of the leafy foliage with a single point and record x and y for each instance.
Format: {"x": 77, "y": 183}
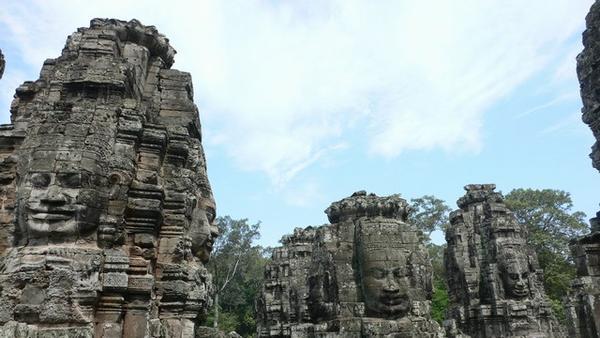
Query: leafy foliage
{"x": 549, "y": 219}
{"x": 436, "y": 254}
{"x": 237, "y": 267}
{"x": 439, "y": 302}
{"x": 429, "y": 214}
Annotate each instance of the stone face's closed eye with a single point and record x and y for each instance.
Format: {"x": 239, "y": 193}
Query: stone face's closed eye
{"x": 40, "y": 180}
{"x": 70, "y": 180}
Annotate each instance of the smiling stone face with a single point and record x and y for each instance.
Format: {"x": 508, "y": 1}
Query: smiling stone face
{"x": 393, "y": 267}
{"x": 62, "y": 206}
{"x": 59, "y": 206}
{"x": 514, "y": 272}
{"x": 385, "y": 282}
{"x": 203, "y": 231}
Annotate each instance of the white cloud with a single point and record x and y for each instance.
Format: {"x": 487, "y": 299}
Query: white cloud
{"x": 279, "y": 83}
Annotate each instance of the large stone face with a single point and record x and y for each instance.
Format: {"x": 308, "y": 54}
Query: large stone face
{"x": 494, "y": 281}
{"x": 107, "y": 212}
{"x": 583, "y": 306}
{"x": 365, "y": 274}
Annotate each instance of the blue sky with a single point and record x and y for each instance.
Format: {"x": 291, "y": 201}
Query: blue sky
{"x": 304, "y": 102}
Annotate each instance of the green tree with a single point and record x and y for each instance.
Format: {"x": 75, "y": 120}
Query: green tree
{"x": 237, "y": 267}
{"x": 551, "y": 223}
{"x": 429, "y": 214}
{"x": 439, "y": 301}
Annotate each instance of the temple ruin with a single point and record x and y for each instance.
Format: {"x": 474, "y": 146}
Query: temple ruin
{"x": 106, "y": 208}
{"x": 583, "y": 306}
{"x": 495, "y": 285}
{"x": 365, "y": 274}
{"x": 107, "y": 221}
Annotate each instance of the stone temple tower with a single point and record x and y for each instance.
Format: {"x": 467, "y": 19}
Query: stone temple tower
{"x": 583, "y": 307}
{"x": 106, "y": 210}
{"x": 367, "y": 274}
{"x": 495, "y": 285}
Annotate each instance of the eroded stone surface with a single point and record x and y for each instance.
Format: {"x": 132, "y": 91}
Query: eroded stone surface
{"x": 583, "y": 306}
{"x": 365, "y": 274}
{"x": 494, "y": 281}
{"x": 107, "y": 212}
{"x": 2, "y": 64}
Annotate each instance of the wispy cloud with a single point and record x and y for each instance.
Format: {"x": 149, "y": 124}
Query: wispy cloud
{"x": 554, "y": 101}
{"x": 282, "y": 83}
{"x": 571, "y": 120}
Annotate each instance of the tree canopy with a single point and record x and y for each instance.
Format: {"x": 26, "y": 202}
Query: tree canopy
{"x": 429, "y": 214}
{"x": 237, "y": 266}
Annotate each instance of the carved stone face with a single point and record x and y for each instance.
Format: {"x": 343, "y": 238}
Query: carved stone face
{"x": 385, "y": 283}
{"x": 59, "y": 206}
{"x": 203, "y": 230}
{"x": 515, "y": 277}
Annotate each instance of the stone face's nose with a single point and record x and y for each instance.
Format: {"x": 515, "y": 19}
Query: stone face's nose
{"x": 214, "y": 231}
{"x": 53, "y": 195}
{"x": 391, "y": 285}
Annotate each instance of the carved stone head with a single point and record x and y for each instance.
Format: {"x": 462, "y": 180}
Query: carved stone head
{"x": 59, "y": 206}
{"x": 392, "y": 266}
{"x": 514, "y": 269}
{"x": 385, "y": 282}
{"x": 203, "y": 231}
{"x": 62, "y": 187}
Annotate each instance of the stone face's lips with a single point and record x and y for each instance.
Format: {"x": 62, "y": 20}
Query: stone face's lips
{"x": 51, "y": 214}
{"x": 392, "y": 301}
{"x": 520, "y": 292}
